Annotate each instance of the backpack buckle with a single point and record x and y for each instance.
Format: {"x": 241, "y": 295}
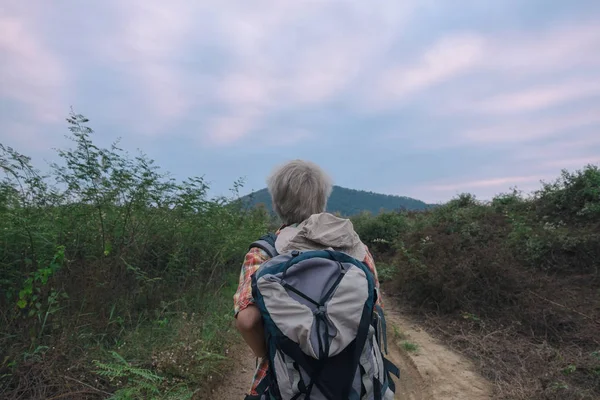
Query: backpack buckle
{"x": 320, "y": 311}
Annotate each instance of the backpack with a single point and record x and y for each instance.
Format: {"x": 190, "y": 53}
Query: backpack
{"x": 323, "y": 330}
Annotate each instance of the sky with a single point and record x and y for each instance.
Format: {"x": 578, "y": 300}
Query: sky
{"x": 420, "y": 98}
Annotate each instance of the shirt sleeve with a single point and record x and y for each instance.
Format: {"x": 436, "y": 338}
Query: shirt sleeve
{"x": 243, "y": 295}
{"x": 370, "y": 261}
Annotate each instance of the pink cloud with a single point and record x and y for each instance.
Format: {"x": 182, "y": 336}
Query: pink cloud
{"x": 288, "y": 56}
{"x": 511, "y": 56}
{"x": 239, "y": 90}
{"x": 447, "y": 58}
{"x": 539, "y": 98}
{"x": 486, "y": 183}
{"x": 30, "y": 73}
{"x": 146, "y": 45}
{"x": 226, "y": 130}
{"x": 559, "y": 48}
{"x": 578, "y": 163}
{"x": 583, "y": 146}
{"x": 527, "y": 129}
{"x": 484, "y": 188}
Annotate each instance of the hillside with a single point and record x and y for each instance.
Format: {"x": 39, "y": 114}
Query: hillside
{"x": 349, "y": 202}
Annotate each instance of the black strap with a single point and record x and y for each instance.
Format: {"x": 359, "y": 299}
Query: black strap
{"x": 377, "y": 389}
{"x": 335, "y": 284}
{"x": 299, "y": 293}
{"x": 381, "y": 316}
{"x": 294, "y": 351}
{"x": 391, "y": 368}
{"x": 263, "y": 385}
{"x": 361, "y": 339}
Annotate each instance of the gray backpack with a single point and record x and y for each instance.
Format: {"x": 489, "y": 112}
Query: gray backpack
{"x": 323, "y": 330}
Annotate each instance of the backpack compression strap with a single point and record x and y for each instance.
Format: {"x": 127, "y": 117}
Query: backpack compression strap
{"x": 266, "y": 243}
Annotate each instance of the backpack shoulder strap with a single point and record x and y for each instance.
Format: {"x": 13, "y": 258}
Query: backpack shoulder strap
{"x": 266, "y": 243}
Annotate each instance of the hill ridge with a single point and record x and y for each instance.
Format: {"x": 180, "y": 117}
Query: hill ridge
{"x": 349, "y": 202}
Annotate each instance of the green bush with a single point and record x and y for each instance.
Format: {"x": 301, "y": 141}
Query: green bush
{"x": 103, "y": 249}
{"x": 381, "y": 231}
{"x": 573, "y": 196}
{"x": 512, "y": 282}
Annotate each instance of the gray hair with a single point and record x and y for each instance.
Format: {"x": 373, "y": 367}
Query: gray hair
{"x": 298, "y": 190}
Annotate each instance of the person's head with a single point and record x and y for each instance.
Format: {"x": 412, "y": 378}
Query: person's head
{"x": 298, "y": 190}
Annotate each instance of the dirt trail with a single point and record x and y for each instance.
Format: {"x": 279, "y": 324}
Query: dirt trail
{"x": 432, "y": 372}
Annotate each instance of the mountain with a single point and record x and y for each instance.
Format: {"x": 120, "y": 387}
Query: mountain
{"x": 350, "y": 202}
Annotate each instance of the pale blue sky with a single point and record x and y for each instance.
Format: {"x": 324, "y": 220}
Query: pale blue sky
{"x": 422, "y": 98}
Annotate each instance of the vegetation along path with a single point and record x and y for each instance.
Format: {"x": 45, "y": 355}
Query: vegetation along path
{"x": 429, "y": 370}
{"x": 117, "y": 283}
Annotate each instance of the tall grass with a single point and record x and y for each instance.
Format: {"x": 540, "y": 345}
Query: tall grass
{"x": 103, "y": 249}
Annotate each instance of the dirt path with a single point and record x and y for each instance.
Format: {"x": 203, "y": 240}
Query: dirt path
{"x": 244, "y": 364}
{"x": 431, "y": 372}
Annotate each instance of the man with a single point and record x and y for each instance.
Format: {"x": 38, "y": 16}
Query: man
{"x": 299, "y": 192}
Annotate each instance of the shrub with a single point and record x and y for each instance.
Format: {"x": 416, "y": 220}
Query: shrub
{"x": 381, "y": 231}
{"x": 513, "y": 283}
{"x": 573, "y": 196}
{"x": 110, "y": 247}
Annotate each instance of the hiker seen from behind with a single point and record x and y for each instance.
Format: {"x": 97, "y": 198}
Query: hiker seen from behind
{"x": 308, "y": 302}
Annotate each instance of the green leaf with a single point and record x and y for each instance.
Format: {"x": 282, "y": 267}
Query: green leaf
{"x": 108, "y": 249}
{"x": 22, "y": 304}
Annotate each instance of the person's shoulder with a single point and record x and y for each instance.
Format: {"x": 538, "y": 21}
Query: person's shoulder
{"x": 366, "y": 248}
{"x": 368, "y": 255}
{"x": 256, "y": 255}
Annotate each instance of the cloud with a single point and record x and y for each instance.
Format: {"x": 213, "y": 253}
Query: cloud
{"x": 580, "y": 146}
{"x": 486, "y": 183}
{"x": 226, "y": 130}
{"x": 528, "y": 129}
{"x": 484, "y": 188}
{"x": 245, "y": 90}
{"x": 31, "y": 75}
{"x": 449, "y": 57}
{"x": 538, "y": 98}
{"x": 276, "y": 56}
{"x": 146, "y": 46}
{"x": 572, "y": 162}
{"x": 465, "y": 71}
{"x": 448, "y": 93}
{"x": 562, "y": 47}
{"x": 288, "y": 57}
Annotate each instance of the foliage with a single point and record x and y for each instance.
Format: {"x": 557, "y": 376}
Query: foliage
{"x": 512, "y": 282}
{"x": 140, "y": 383}
{"x": 573, "y": 196}
{"x": 379, "y": 233}
{"x": 104, "y": 245}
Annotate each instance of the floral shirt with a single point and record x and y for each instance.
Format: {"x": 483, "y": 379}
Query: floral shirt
{"x": 243, "y": 298}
